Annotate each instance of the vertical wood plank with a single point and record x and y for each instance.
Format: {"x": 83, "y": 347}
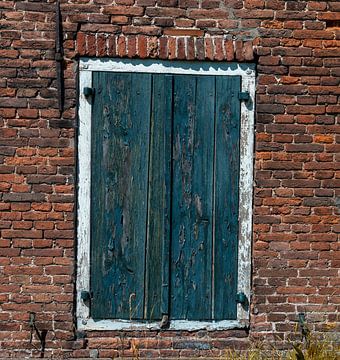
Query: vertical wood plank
{"x": 158, "y": 238}
{"x": 199, "y": 291}
{"x": 184, "y": 101}
{"x": 192, "y": 197}
{"x": 226, "y": 196}
{"x": 121, "y": 126}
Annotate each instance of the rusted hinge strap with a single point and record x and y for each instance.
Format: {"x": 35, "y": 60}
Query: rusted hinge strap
{"x": 165, "y": 322}
{"x": 244, "y": 95}
{"x": 85, "y": 295}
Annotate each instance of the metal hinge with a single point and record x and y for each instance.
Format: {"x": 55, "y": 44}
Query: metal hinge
{"x": 244, "y": 95}
{"x": 85, "y": 295}
{"x": 87, "y": 91}
{"x": 241, "y": 298}
{"x": 165, "y": 321}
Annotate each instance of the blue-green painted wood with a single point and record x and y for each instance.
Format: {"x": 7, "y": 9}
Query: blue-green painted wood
{"x": 199, "y": 291}
{"x": 193, "y": 157}
{"x": 227, "y": 136}
{"x": 119, "y": 179}
{"x": 184, "y": 105}
{"x": 141, "y": 124}
{"x": 158, "y": 239}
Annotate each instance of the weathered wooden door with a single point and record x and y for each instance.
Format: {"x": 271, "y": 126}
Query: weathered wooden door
{"x": 164, "y": 197}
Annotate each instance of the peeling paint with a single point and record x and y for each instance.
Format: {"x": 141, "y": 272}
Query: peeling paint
{"x": 247, "y": 73}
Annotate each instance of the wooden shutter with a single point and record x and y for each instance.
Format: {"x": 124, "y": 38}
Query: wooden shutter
{"x": 119, "y": 183}
{"x": 164, "y": 209}
{"x": 205, "y": 197}
{"x": 130, "y": 201}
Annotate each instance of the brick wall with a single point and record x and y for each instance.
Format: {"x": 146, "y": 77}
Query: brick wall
{"x": 296, "y": 215}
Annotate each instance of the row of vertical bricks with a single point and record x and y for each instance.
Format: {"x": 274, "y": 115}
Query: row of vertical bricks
{"x": 165, "y": 47}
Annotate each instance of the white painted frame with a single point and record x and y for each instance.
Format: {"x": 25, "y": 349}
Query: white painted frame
{"x": 247, "y": 72}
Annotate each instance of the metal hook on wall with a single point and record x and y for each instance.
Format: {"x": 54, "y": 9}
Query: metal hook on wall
{"x": 40, "y": 334}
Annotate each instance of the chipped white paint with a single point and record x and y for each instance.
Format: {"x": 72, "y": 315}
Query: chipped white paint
{"x": 247, "y": 72}
{"x": 174, "y": 325}
{"x": 246, "y": 191}
{"x": 84, "y": 195}
{"x": 164, "y": 67}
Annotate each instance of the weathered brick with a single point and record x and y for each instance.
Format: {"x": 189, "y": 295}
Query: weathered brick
{"x": 182, "y": 32}
{"x": 124, "y": 10}
{"x": 30, "y": 234}
{"x": 297, "y": 146}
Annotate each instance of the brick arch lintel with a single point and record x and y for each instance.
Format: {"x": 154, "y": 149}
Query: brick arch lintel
{"x": 213, "y": 48}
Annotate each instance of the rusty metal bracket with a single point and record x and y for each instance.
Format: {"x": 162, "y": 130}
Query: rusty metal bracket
{"x": 40, "y": 334}
{"x": 165, "y": 322}
{"x": 244, "y": 95}
{"x": 59, "y": 59}
{"x": 303, "y": 326}
{"x": 241, "y": 298}
{"x": 85, "y": 295}
{"x": 87, "y": 91}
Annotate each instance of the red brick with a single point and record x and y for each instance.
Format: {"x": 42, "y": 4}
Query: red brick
{"x": 111, "y": 51}
{"x": 313, "y": 34}
{"x": 208, "y": 14}
{"x": 239, "y": 50}
{"x": 145, "y": 30}
{"x": 101, "y": 45}
{"x": 124, "y": 10}
{"x": 91, "y": 44}
{"x": 190, "y": 44}
{"x": 132, "y": 46}
{"x": 163, "y": 48}
{"x": 248, "y": 51}
{"x": 209, "y": 49}
{"x": 152, "y": 47}
{"x": 229, "y": 49}
{"x": 142, "y": 46}
{"x": 254, "y": 14}
{"x": 218, "y": 49}
{"x": 81, "y": 43}
{"x": 172, "y": 48}
{"x": 297, "y": 162}
{"x": 181, "y": 48}
{"x": 182, "y": 32}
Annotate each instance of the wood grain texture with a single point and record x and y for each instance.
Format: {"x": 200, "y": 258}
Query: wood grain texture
{"x": 165, "y": 195}
{"x": 192, "y": 197}
{"x": 158, "y": 228}
{"x": 227, "y": 196}
{"x": 121, "y": 127}
{"x": 199, "y": 307}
